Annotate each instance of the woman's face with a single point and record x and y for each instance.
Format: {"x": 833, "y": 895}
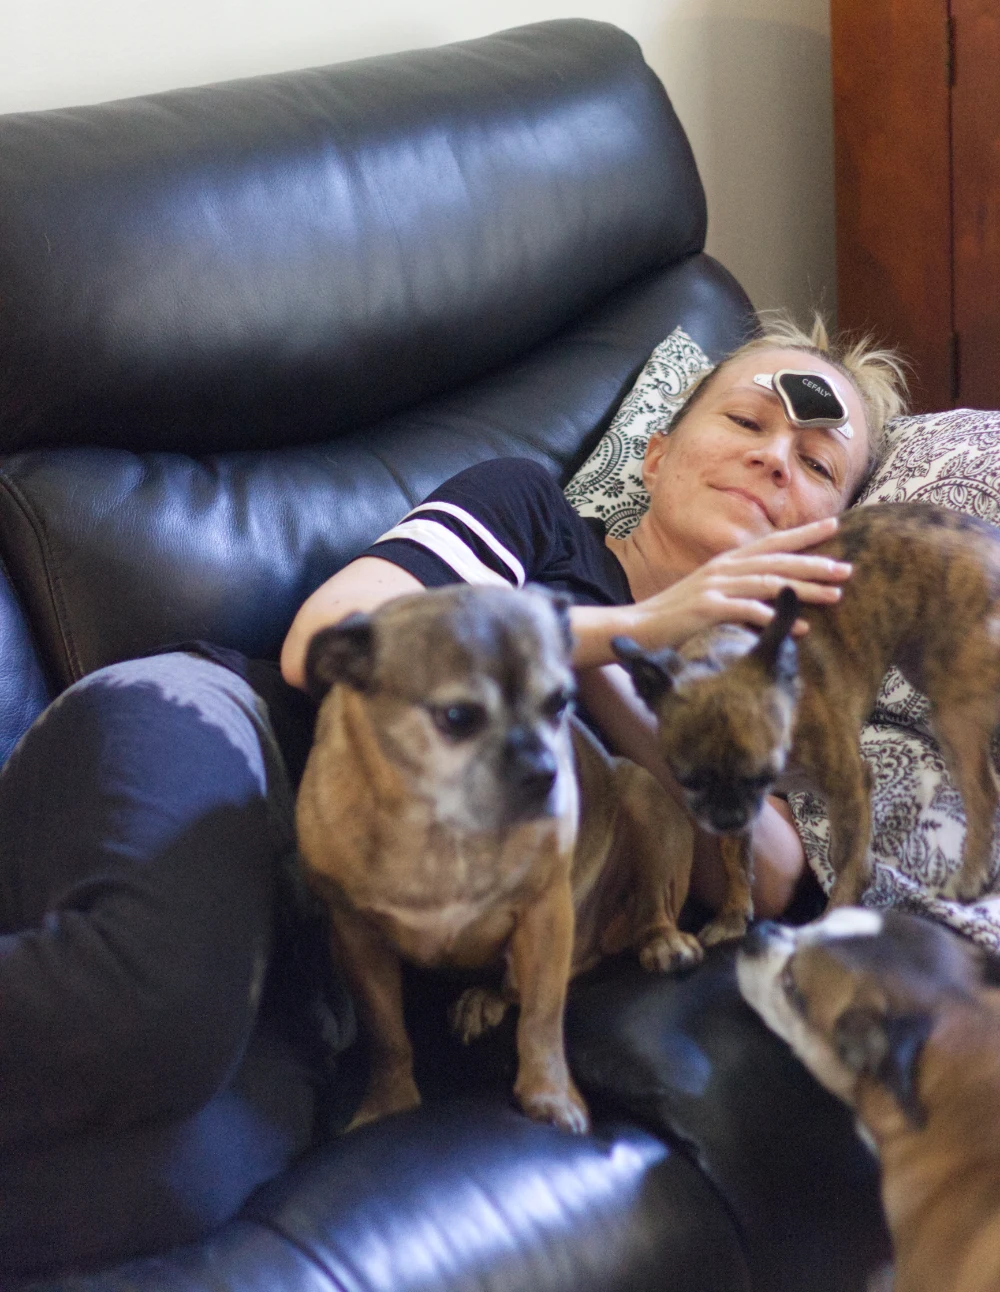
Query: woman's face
{"x": 736, "y": 469}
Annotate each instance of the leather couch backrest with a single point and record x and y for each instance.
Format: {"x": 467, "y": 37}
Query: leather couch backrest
{"x": 243, "y": 328}
{"x": 284, "y": 258}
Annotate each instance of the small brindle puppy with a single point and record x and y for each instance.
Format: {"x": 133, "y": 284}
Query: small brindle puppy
{"x": 739, "y": 714}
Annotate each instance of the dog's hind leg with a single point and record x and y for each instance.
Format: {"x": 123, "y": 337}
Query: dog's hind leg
{"x": 847, "y": 789}
{"x": 479, "y": 1010}
{"x": 965, "y": 734}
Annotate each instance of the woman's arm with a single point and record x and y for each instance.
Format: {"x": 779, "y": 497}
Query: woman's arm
{"x": 734, "y": 587}
{"x": 630, "y": 728}
{"x": 362, "y": 585}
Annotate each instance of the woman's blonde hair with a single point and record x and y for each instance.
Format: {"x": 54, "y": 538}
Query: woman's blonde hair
{"x": 877, "y": 373}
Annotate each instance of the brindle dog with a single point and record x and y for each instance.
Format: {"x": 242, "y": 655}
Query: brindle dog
{"x": 739, "y": 714}
{"x": 453, "y": 813}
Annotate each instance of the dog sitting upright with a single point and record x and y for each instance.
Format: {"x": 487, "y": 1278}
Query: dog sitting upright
{"x": 739, "y": 714}
{"x": 891, "y": 1013}
{"x": 439, "y": 817}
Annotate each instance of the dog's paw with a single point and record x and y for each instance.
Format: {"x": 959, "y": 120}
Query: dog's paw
{"x": 564, "y": 1109}
{"x": 478, "y": 1010}
{"x": 724, "y": 928}
{"x": 963, "y": 888}
{"x": 666, "y": 952}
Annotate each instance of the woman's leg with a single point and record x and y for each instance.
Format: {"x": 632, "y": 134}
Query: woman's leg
{"x": 142, "y": 820}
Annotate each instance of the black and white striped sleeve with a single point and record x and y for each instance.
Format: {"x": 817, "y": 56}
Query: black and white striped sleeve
{"x": 493, "y": 523}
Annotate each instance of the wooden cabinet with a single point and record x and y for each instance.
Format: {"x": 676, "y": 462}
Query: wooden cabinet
{"x": 916, "y": 87}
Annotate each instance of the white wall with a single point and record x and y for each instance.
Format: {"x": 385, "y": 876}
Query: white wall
{"x": 750, "y": 80}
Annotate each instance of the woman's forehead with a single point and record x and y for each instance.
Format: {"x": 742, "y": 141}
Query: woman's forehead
{"x": 744, "y": 368}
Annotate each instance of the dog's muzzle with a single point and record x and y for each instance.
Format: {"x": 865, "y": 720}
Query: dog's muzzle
{"x": 727, "y": 820}
{"x": 529, "y": 769}
{"x": 725, "y": 808}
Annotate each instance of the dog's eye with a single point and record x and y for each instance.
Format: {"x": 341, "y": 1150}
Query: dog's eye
{"x": 694, "y": 781}
{"x": 459, "y": 721}
{"x": 556, "y": 704}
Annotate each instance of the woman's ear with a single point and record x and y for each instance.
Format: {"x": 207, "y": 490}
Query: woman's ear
{"x": 656, "y": 447}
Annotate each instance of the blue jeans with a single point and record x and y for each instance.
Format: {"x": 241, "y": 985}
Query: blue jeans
{"x": 146, "y": 1084}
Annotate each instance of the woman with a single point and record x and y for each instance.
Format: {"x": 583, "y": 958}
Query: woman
{"x": 738, "y": 494}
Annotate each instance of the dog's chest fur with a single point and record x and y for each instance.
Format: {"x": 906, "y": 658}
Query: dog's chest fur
{"x": 441, "y": 893}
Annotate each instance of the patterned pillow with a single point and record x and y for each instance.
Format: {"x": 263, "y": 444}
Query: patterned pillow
{"x": 952, "y": 459}
{"x": 609, "y": 484}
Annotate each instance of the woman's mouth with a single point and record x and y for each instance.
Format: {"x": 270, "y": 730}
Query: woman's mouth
{"x": 752, "y": 500}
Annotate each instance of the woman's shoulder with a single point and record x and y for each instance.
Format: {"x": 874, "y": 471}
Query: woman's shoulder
{"x": 511, "y": 493}
{"x": 513, "y": 473}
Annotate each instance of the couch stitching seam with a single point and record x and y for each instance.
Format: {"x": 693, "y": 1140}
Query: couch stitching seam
{"x": 51, "y": 577}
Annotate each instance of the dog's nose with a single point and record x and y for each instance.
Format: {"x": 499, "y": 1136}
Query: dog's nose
{"x": 756, "y": 941}
{"x": 529, "y": 765}
{"x": 729, "y": 820}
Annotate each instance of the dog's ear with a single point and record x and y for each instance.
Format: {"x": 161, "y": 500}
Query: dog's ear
{"x": 776, "y": 649}
{"x": 886, "y": 1047}
{"x": 651, "y": 674}
{"x": 344, "y": 652}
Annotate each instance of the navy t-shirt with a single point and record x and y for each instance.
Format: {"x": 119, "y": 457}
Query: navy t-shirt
{"x": 505, "y": 522}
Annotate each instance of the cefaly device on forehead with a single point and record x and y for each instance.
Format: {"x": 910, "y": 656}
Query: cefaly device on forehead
{"x": 808, "y": 398}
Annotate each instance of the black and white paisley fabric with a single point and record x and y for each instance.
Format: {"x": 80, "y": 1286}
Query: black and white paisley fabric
{"x": 609, "y": 484}
{"x": 952, "y": 459}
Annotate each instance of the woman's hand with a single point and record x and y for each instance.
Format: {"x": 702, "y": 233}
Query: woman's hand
{"x": 736, "y": 586}
{"x": 733, "y": 587}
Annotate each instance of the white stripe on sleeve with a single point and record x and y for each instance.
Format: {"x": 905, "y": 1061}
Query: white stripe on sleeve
{"x": 446, "y": 545}
{"x": 480, "y": 530}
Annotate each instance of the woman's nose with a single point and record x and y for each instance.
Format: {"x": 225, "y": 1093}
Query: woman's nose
{"x": 774, "y": 454}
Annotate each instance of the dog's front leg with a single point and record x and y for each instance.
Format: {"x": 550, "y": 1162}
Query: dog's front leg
{"x": 736, "y": 911}
{"x": 541, "y": 953}
{"x": 373, "y": 972}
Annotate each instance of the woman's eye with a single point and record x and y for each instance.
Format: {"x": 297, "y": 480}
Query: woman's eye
{"x": 748, "y": 423}
{"x": 459, "y": 721}
{"x": 819, "y": 467}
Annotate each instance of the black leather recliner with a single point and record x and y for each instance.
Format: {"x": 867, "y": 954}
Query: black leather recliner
{"x": 243, "y": 328}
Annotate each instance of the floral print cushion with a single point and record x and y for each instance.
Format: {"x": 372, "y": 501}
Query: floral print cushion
{"x": 609, "y": 484}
